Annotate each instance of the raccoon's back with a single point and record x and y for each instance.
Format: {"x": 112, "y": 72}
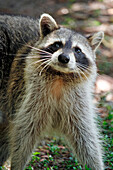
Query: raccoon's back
{"x": 15, "y": 32}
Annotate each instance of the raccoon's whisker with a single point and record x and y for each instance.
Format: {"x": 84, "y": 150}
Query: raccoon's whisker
{"x": 44, "y": 67}
{"x": 42, "y": 64}
{"x": 79, "y": 74}
{"x": 47, "y": 57}
{"x": 84, "y": 70}
{"x": 83, "y": 67}
{"x": 41, "y": 60}
{"x": 35, "y": 56}
{"x": 35, "y": 62}
{"x": 37, "y": 49}
{"x": 42, "y": 53}
{"x": 87, "y": 71}
{"x": 84, "y": 75}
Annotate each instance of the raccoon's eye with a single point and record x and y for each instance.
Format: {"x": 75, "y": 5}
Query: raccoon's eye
{"x": 78, "y": 50}
{"x": 54, "y": 47}
{"x": 57, "y": 45}
{"x": 81, "y": 57}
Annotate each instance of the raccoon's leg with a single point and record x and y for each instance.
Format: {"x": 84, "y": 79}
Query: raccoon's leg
{"x": 23, "y": 140}
{"x": 83, "y": 140}
{"x": 4, "y": 144}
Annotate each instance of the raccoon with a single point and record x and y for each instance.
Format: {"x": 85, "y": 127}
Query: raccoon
{"x": 47, "y": 82}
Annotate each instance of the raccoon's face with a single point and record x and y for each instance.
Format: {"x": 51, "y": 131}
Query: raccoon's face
{"x": 65, "y": 50}
{"x": 69, "y": 51}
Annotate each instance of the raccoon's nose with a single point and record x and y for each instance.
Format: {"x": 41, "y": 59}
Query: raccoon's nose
{"x": 62, "y": 58}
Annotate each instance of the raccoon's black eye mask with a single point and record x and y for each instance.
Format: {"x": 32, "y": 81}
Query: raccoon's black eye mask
{"x": 81, "y": 57}
{"x": 54, "y": 47}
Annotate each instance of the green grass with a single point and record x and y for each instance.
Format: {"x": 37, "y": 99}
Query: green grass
{"x": 57, "y": 157}
{"x": 107, "y": 125}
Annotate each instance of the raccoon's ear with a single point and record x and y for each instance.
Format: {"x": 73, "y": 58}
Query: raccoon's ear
{"x": 96, "y": 39}
{"x": 47, "y": 24}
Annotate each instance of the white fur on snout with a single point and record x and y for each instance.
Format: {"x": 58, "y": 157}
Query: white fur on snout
{"x": 69, "y": 67}
{"x": 72, "y": 62}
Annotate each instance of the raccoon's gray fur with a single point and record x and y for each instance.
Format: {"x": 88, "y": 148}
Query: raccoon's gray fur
{"x": 46, "y": 88}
